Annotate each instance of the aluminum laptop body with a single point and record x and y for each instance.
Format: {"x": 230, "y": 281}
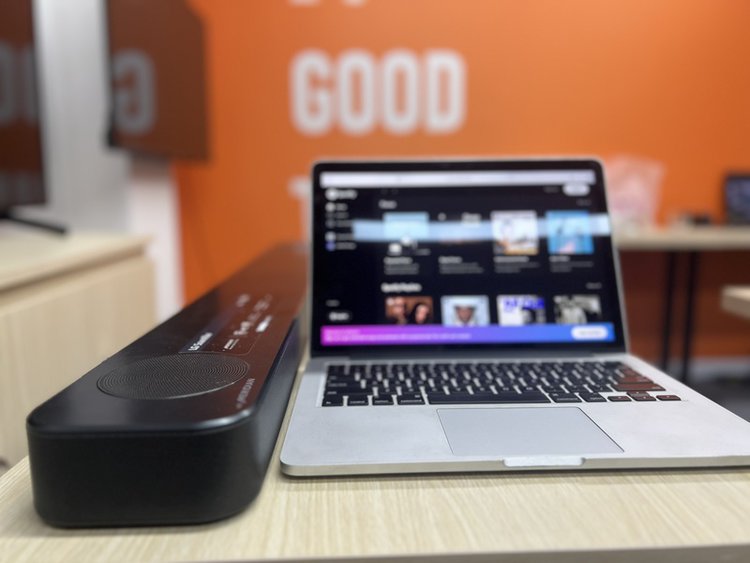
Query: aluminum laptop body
{"x": 467, "y": 316}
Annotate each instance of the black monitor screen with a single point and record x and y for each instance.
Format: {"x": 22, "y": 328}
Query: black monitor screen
{"x": 737, "y": 198}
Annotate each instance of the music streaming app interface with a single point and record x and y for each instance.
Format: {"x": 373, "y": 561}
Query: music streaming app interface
{"x": 475, "y": 257}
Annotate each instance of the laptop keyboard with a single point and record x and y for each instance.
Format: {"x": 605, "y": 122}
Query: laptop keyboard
{"x": 487, "y": 383}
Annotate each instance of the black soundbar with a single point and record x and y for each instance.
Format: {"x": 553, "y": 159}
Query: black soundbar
{"x": 178, "y": 427}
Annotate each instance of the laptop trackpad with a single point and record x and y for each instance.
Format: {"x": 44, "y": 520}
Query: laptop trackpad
{"x": 524, "y": 432}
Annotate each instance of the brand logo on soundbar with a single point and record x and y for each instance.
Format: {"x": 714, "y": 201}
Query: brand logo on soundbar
{"x": 205, "y": 337}
{"x": 242, "y": 300}
{"x": 245, "y": 392}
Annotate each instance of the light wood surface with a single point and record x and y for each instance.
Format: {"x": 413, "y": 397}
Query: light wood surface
{"x": 664, "y": 516}
{"x": 28, "y": 255}
{"x": 698, "y": 238}
{"x": 643, "y": 516}
{"x": 736, "y": 300}
{"x": 58, "y": 319}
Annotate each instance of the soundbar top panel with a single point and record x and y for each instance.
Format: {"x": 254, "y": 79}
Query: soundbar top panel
{"x": 223, "y": 344}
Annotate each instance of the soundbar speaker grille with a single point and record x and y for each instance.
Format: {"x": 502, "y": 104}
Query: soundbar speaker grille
{"x": 173, "y": 377}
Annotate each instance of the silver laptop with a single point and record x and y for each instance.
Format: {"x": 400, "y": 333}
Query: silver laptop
{"x": 467, "y": 316}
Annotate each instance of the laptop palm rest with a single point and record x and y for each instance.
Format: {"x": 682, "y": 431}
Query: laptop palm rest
{"x": 525, "y": 437}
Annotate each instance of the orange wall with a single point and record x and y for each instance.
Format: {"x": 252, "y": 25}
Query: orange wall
{"x": 667, "y": 80}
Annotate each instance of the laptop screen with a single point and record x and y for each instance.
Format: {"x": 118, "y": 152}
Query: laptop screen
{"x": 486, "y": 254}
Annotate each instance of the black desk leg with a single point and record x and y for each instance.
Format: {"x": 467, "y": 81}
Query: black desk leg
{"x": 687, "y": 335}
{"x": 666, "y": 333}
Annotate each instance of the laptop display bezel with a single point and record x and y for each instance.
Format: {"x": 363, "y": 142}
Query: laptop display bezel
{"x": 317, "y": 279}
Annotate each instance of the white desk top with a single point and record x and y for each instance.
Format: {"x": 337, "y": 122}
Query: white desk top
{"x": 698, "y": 238}
{"x": 736, "y": 300}
{"x": 28, "y": 255}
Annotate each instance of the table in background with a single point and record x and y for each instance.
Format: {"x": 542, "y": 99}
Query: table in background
{"x": 735, "y": 299}
{"x": 690, "y": 241}
{"x": 66, "y": 303}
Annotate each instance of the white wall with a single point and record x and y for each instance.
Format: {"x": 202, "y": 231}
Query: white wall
{"x": 90, "y": 186}
{"x": 85, "y": 181}
{"x": 153, "y": 208}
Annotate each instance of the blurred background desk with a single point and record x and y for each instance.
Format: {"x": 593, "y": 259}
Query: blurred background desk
{"x": 736, "y": 300}
{"x": 66, "y": 303}
{"x": 676, "y": 242}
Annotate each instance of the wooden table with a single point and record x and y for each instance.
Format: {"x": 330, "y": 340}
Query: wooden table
{"x": 658, "y": 516}
{"x": 687, "y": 238}
{"x": 66, "y": 303}
{"x": 736, "y": 300}
{"x": 676, "y": 241}
{"x": 642, "y": 516}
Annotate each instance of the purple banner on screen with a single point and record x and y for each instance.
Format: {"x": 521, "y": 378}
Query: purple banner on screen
{"x": 373, "y": 335}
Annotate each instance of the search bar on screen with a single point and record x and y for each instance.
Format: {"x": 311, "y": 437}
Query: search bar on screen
{"x": 446, "y": 179}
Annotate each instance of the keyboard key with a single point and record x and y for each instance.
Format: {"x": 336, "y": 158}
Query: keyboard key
{"x": 641, "y": 396}
{"x": 413, "y": 399}
{"x": 564, "y": 397}
{"x": 358, "y": 401}
{"x": 343, "y": 384}
{"x": 638, "y": 387}
{"x": 668, "y": 398}
{"x": 382, "y": 400}
{"x": 333, "y": 397}
{"x": 486, "y": 398}
{"x": 619, "y": 398}
{"x": 336, "y": 369}
{"x": 627, "y": 379}
{"x": 593, "y": 398}
{"x": 333, "y": 401}
{"x": 630, "y": 372}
